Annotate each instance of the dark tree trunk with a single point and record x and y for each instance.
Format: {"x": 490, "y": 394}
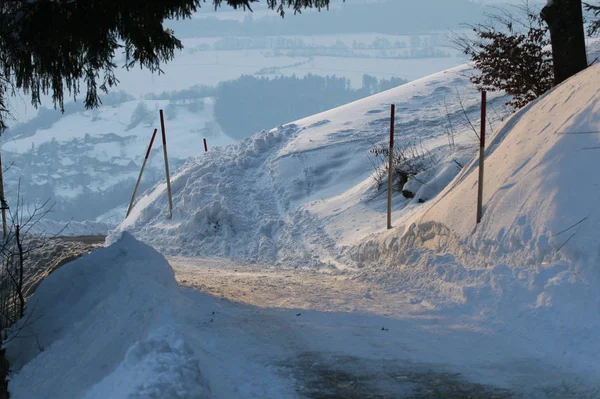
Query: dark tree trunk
{"x": 4, "y": 371}
{"x": 20, "y": 266}
{"x": 565, "y": 21}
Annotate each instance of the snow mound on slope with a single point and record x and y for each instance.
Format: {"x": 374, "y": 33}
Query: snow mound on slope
{"x": 162, "y": 365}
{"x": 531, "y": 266}
{"x": 541, "y": 193}
{"x": 295, "y": 194}
{"x": 106, "y": 322}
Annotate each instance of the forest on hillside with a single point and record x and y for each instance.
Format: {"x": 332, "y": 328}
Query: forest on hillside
{"x": 262, "y": 103}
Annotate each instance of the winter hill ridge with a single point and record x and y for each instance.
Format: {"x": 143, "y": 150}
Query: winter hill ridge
{"x": 294, "y": 193}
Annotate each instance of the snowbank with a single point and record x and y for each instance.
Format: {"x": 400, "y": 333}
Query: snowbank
{"x": 531, "y": 267}
{"x": 106, "y": 323}
{"x": 540, "y": 188}
{"x": 116, "y": 324}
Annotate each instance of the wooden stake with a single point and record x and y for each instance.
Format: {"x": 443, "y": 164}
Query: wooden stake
{"x": 3, "y": 204}
{"x": 141, "y": 172}
{"x": 391, "y": 169}
{"x": 164, "y": 140}
{"x": 481, "y": 157}
{"x": 205, "y": 146}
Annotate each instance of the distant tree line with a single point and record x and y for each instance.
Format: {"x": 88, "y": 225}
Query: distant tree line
{"x": 380, "y": 47}
{"x": 413, "y": 53}
{"x": 389, "y": 17}
{"x": 249, "y": 104}
{"x": 194, "y": 92}
{"x": 294, "y": 43}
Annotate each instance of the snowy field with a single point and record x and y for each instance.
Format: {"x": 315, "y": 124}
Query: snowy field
{"x": 92, "y": 158}
{"x": 194, "y": 66}
{"x": 120, "y": 120}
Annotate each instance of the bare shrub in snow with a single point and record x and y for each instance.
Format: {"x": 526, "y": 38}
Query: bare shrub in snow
{"x": 26, "y": 258}
{"x": 409, "y": 160}
{"x": 13, "y": 253}
{"x": 461, "y": 113}
{"x": 171, "y": 111}
{"x": 512, "y": 54}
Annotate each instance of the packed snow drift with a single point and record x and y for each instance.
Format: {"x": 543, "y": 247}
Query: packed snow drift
{"x": 88, "y": 315}
{"x": 115, "y": 324}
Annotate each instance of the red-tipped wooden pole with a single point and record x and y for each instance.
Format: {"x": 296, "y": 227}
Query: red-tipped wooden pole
{"x": 164, "y": 140}
{"x": 205, "y": 146}
{"x": 141, "y": 172}
{"x": 481, "y": 157}
{"x": 391, "y": 168}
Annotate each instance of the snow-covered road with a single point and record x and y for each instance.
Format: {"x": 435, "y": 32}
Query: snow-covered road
{"x": 265, "y": 287}
{"x": 337, "y": 337}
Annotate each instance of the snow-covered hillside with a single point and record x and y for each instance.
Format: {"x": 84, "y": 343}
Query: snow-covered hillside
{"x": 302, "y": 195}
{"x": 88, "y": 161}
{"x": 436, "y": 307}
{"x": 299, "y": 193}
{"x": 531, "y": 266}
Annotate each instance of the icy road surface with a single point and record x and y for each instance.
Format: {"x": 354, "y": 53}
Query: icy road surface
{"x": 337, "y": 337}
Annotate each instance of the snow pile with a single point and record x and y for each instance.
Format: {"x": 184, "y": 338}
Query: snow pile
{"x": 116, "y": 324}
{"x": 107, "y": 322}
{"x": 540, "y": 192}
{"x": 531, "y": 267}
{"x": 297, "y": 194}
{"x": 48, "y": 227}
